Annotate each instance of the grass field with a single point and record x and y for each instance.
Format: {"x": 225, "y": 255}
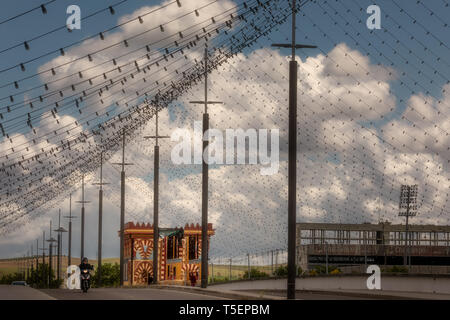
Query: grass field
{"x": 220, "y": 272}
{"x": 8, "y": 266}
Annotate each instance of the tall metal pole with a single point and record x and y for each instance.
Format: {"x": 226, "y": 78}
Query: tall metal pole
{"x": 292, "y": 164}
{"x": 204, "y": 271}
{"x": 70, "y": 232}
{"x": 43, "y": 249}
{"x": 156, "y": 207}
{"x": 122, "y": 207}
{"x": 60, "y": 230}
{"x": 248, "y": 263}
{"x": 50, "y": 256}
{"x": 272, "y": 262}
{"x": 82, "y": 217}
{"x": 37, "y": 256}
{"x": 405, "y": 259}
{"x": 82, "y": 220}
{"x": 70, "y": 217}
{"x": 204, "y": 282}
{"x": 156, "y": 198}
{"x": 58, "y": 262}
{"x": 100, "y": 221}
{"x": 100, "y": 224}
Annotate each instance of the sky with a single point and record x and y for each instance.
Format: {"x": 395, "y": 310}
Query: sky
{"x": 372, "y": 115}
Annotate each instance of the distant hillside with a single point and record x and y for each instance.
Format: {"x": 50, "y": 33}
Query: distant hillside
{"x": 12, "y": 265}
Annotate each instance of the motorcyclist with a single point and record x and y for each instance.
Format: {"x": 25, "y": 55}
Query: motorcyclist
{"x": 85, "y": 265}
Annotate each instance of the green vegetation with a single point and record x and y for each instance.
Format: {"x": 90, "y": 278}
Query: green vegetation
{"x": 255, "y": 274}
{"x": 38, "y": 278}
{"x": 281, "y": 271}
{"x": 323, "y": 270}
{"x": 8, "y": 278}
{"x": 110, "y": 275}
{"x": 398, "y": 269}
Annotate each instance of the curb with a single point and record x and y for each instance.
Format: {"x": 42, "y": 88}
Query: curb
{"x": 380, "y": 296}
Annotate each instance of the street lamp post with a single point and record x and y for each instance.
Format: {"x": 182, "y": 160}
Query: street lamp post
{"x": 204, "y": 280}
{"x": 155, "y": 197}
{"x": 292, "y": 163}
{"x": 122, "y": 207}
{"x": 70, "y": 217}
{"x": 50, "y": 241}
{"x": 83, "y": 202}
{"x": 60, "y": 230}
{"x": 100, "y": 220}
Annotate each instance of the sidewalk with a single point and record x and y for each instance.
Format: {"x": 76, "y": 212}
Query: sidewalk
{"x": 274, "y": 294}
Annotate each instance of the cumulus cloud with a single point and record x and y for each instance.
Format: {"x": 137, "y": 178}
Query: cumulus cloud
{"x": 346, "y": 171}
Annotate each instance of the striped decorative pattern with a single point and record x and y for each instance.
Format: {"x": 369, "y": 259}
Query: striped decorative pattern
{"x": 144, "y": 247}
{"x": 162, "y": 258}
{"x": 183, "y": 254}
{"x": 142, "y": 270}
{"x": 189, "y": 267}
{"x": 199, "y": 247}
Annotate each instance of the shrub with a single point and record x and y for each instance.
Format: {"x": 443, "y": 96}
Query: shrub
{"x": 323, "y": 270}
{"x": 8, "y": 278}
{"x": 398, "y": 269}
{"x": 281, "y": 271}
{"x": 255, "y": 273}
{"x": 335, "y": 271}
{"x": 110, "y": 275}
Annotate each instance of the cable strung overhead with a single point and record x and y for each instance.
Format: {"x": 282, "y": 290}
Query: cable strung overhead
{"x": 60, "y": 159}
{"x": 373, "y": 113}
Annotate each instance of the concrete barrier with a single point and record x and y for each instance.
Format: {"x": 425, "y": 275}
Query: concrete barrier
{"x": 404, "y": 283}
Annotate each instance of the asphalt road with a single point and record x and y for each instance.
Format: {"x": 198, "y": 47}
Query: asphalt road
{"x": 22, "y": 293}
{"x": 125, "y": 294}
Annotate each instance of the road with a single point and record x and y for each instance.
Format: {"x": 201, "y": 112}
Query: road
{"x": 22, "y": 293}
{"x": 126, "y": 294}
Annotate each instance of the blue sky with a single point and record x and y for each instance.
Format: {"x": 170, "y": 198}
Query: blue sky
{"x": 405, "y": 50}
{"x": 324, "y": 15}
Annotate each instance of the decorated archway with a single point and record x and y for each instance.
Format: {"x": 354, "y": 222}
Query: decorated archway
{"x": 142, "y": 272}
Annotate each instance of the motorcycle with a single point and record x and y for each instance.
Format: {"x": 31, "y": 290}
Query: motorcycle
{"x": 85, "y": 278}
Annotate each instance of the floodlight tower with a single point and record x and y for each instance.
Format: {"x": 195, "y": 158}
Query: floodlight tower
{"x": 408, "y": 208}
